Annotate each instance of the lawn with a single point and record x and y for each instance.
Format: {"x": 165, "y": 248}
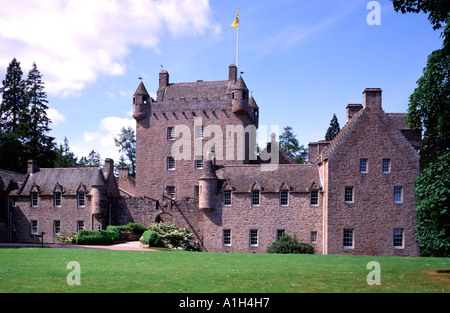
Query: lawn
{"x": 45, "y": 270}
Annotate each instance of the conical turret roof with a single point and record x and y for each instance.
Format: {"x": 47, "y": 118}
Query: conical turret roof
{"x": 141, "y": 90}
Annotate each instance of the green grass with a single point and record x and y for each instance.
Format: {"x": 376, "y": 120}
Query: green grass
{"x": 44, "y": 270}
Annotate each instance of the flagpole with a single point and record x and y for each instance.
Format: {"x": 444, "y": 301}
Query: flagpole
{"x": 237, "y": 47}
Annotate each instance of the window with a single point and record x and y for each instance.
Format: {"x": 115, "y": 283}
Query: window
{"x": 170, "y": 163}
{"x": 398, "y": 197}
{"x": 57, "y": 199}
{"x": 227, "y": 237}
{"x": 170, "y": 133}
{"x": 284, "y": 197}
{"x": 198, "y": 132}
{"x": 386, "y": 165}
{"x": 363, "y": 165}
{"x": 34, "y": 227}
{"x": 196, "y": 191}
{"x": 34, "y": 199}
{"x": 314, "y": 197}
{"x": 198, "y": 162}
{"x": 171, "y": 191}
{"x": 398, "y": 238}
{"x": 349, "y": 194}
{"x": 253, "y": 237}
{"x": 280, "y": 233}
{"x": 313, "y": 237}
{"x": 56, "y": 227}
{"x": 80, "y": 225}
{"x": 227, "y": 197}
{"x": 255, "y": 197}
{"x": 348, "y": 238}
{"x": 80, "y": 198}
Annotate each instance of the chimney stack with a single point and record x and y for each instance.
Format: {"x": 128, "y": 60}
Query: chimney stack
{"x": 232, "y": 73}
{"x": 32, "y": 167}
{"x": 352, "y": 109}
{"x": 372, "y": 98}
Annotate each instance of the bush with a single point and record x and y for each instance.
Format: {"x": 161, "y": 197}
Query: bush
{"x": 174, "y": 237}
{"x": 98, "y": 237}
{"x": 288, "y": 244}
{"x": 150, "y": 238}
{"x": 135, "y": 228}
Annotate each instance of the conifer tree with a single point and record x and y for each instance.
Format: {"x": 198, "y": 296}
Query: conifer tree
{"x": 38, "y": 145}
{"x": 333, "y": 130}
{"x": 14, "y": 105}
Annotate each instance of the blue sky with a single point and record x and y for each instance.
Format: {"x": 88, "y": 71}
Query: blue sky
{"x": 303, "y": 60}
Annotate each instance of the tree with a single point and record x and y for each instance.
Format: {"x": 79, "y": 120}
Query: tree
{"x": 333, "y": 130}
{"x": 429, "y": 107}
{"x": 127, "y": 146}
{"x": 92, "y": 160}
{"x": 65, "y": 157}
{"x": 38, "y": 145}
{"x": 432, "y": 191}
{"x": 291, "y": 145}
{"x": 14, "y": 106}
{"x": 11, "y": 153}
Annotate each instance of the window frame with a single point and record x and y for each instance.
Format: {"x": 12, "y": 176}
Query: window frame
{"x": 253, "y": 197}
{"x": 363, "y": 168}
{"x": 226, "y": 237}
{"x": 34, "y": 199}
{"x": 171, "y": 133}
{"x": 313, "y": 237}
{"x": 253, "y": 238}
{"x": 56, "y": 226}
{"x": 198, "y": 132}
{"x": 198, "y": 162}
{"x": 398, "y": 194}
{"x": 80, "y": 225}
{"x": 347, "y": 192}
{"x": 383, "y": 166}
{"x": 227, "y": 198}
{"x": 280, "y": 233}
{"x": 316, "y": 197}
{"x": 57, "y": 195}
{"x": 81, "y": 200}
{"x": 34, "y": 227}
{"x": 348, "y": 234}
{"x": 398, "y": 234}
{"x": 284, "y": 195}
{"x": 170, "y": 161}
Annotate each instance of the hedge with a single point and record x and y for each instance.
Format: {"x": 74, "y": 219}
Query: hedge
{"x": 98, "y": 237}
{"x": 151, "y": 238}
{"x": 135, "y": 228}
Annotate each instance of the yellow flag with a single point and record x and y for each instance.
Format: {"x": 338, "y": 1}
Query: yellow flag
{"x": 236, "y": 22}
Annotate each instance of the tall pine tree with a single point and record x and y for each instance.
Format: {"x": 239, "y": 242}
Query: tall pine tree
{"x": 333, "y": 130}
{"x": 38, "y": 145}
{"x": 14, "y": 106}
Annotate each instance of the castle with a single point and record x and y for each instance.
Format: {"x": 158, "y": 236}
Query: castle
{"x": 197, "y": 166}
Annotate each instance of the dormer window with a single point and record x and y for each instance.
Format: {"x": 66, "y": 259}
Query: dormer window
{"x": 57, "y": 199}
{"x": 34, "y": 199}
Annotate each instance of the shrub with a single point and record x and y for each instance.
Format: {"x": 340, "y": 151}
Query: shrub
{"x": 98, "y": 237}
{"x": 135, "y": 228}
{"x": 288, "y": 244}
{"x": 150, "y": 238}
{"x": 174, "y": 237}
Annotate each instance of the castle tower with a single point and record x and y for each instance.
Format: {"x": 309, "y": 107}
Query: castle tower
{"x": 239, "y": 97}
{"x": 208, "y": 185}
{"x": 141, "y": 103}
{"x": 98, "y": 206}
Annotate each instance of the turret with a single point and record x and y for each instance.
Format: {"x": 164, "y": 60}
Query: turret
{"x": 98, "y": 205}
{"x": 141, "y": 103}
{"x": 239, "y": 97}
{"x": 208, "y": 185}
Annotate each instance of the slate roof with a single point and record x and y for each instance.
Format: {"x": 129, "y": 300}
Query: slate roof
{"x": 297, "y": 177}
{"x": 199, "y": 90}
{"x": 46, "y": 180}
{"x": 11, "y": 180}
